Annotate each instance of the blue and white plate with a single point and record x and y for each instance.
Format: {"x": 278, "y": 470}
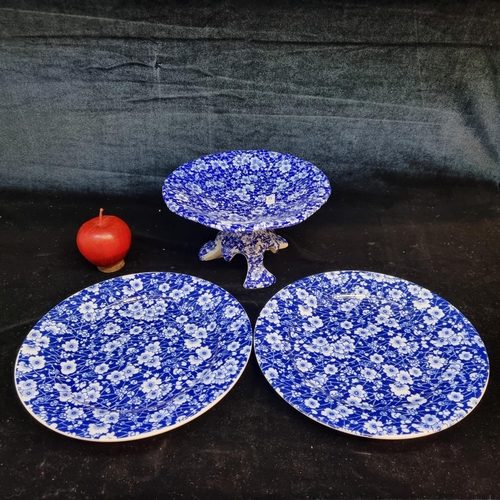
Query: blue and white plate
{"x": 133, "y": 356}
{"x": 246, "y": 190}
{"x": 371, "y": 355}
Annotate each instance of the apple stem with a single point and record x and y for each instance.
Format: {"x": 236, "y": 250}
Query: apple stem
{"x": 100, "y": 215}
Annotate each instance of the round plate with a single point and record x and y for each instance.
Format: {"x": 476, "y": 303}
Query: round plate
{"x": 133, "y": 356}
{"x": 371, "y": 355}
{"x": 246, "y": 190}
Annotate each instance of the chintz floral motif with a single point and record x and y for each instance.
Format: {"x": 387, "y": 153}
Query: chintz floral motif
{"x": 133, "y": 356}
{"x": 252, "y": 245}
{"x": 371, "y": 354}
{"x": 246, "y": 190}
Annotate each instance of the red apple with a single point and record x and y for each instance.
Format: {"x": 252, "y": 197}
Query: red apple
{"x": 104, "y": 241}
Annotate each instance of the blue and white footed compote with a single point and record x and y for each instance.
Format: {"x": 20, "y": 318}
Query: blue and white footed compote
{"x": 246, "y": 195}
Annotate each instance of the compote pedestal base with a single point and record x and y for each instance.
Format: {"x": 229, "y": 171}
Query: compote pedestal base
{"x": 252, "y": 245}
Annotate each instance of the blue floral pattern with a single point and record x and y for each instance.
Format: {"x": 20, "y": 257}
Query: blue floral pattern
{"x": 371, "y": 354}
{"x": 246, "y": 190}
{"x": 252, "y": 245}
{"x": 133, "y": 356}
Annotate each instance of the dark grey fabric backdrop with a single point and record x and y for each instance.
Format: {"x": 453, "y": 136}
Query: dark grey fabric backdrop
{"x": 112, "y": 96}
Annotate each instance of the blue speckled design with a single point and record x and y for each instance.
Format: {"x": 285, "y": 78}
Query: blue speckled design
{"x": 246, "y": 190}
{"x": 371, "y": 355}
{"x": 133, "y": 356}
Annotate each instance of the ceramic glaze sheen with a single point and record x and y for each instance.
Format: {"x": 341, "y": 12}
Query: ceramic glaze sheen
{"x": 371, "y": 355}
{"x": 246, "y": 194}
{"x": 246, "y": 190}
{"x": 133, "y": 356}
